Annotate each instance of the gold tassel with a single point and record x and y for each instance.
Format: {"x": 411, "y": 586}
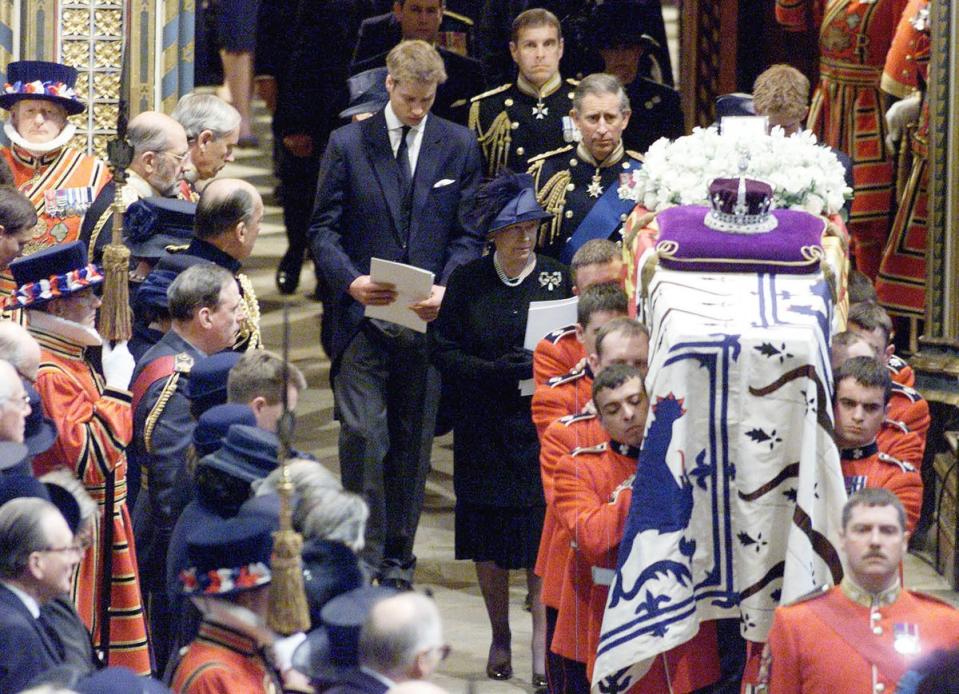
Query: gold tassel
{"x": 115, "y": 318}
{"x": 289, "y": 612}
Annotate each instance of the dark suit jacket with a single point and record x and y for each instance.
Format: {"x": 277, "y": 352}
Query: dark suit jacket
{"x": 25, "y": 649}
{"x": 357, "y": 213}
{"x": 464, "y": 80}
{"x": 358, "y": 682}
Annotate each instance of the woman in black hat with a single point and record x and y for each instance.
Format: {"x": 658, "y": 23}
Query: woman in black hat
{"x": 478, "y": 346}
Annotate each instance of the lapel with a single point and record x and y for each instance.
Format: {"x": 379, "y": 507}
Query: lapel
{"x": 384, "y": 166}
{"x": 425, "y": 175}
{"x": 53, "y": 653}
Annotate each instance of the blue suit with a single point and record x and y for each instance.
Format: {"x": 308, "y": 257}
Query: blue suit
{"x": 26, "y": 650}
{"x": 384, "y": 389}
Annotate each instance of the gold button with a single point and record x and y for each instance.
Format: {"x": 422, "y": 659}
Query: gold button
{"x": 880, "y": 687}
{"x": 877, "y": 630}
{"x": 571, "y": 95}
{"x": 649, "y": 105}
{"x": 520, "y": 151}
{"x": 508, "y": 102}
{"x": 875, "y": 616}
{"x": 570, "y": 186}
{"x": 625, "y": 164}
{"x": 622, "y": 217}
{"x": 573, "y": 162}
{"x": 569, "y": 214}
{"x": 514, "y": 125}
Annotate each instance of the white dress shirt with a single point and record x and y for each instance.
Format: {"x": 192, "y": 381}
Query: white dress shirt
{"x": 413, "y": 139}
{"x": 27, "y": 600}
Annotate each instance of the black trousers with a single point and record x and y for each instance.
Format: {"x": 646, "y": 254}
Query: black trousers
{"x": 298, "y": 176}
{"x": 563, "y": 675}
{"x": 386, "y": 393}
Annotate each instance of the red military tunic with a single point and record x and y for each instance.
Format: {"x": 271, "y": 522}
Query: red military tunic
{"x": 847, "y": 109}
{"x": 901, "y": 284}
{"x": 557, "y": 353}
{"x": 61, "y": 185}
{"x": 907, "y": 406}
{"x": 222, "y": 660}
{"x": 900, "y": 371}
{"x": 593, "y": 490}
{"x": 562, "y": 437}
{"x": 561, "y": 396}
{"x": 845, "y": 640}
{"x": 94, "y": 426}
{"x": 896, "y": 470}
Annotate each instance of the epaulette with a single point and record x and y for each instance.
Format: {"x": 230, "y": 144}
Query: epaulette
{"x": 896, "y": 363}
{"x": 910, "y": 393}
{"x": 896, "y": 424}
{"x": 572, "y": 82}
{"x": 886, "y": 458}
{"x": 183, "y": 363}
{"x": 816, "y": 592}
{"x": 560, "y": 333}
{"x": 578, "y": 417}
{"x": 598, "y": 448}
{"x": 176, "y": 248}
{"x": 181, "y": 366}
{"x": 458, "y": 103}
{"x": 458, "y": 17}
{"x": 491, "y": 92}
{"x": 635, "y": 155}
{"x": 568, "y": 377}
{"x": 930, "y": 598}
{"x": 545, "y": 155}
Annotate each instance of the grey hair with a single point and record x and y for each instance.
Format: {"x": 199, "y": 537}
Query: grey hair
{"x": 332, "y": 514}
{"x": 197, "y": 287}
{"x": 304, "y": 474}
{"x": 14, "y": 342}
{"x": 598, "y": 84}
{"x": 396, "y": 630}
{"x": 22, "y": 533}
{"x": 147, "y": 138}
{"x": 199, "y": 112}
{"x": 7, "y": 380}
{"x": 65, "y": 478}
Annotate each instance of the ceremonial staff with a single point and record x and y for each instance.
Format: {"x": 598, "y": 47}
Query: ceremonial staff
{"x": 289, "y": 612}
{"x": 115, "y": 324}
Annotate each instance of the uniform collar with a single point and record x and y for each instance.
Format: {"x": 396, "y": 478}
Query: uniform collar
{"x": 207, "y": 251}
{"x": 860, "y": 452}
{"x": 863, "y": 597}
{"x": 37, "y": 154}
{"x": 624, "y": 449}
{"x": 527, "y": 88}
{"x": 62, "y": 336}
{"x": 393, "y": 121}
{"x": 614, "y": 157}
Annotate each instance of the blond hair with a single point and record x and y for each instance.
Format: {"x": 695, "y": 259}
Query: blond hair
{"x": 415, "y": 61}
{"x": 782, "y": 90}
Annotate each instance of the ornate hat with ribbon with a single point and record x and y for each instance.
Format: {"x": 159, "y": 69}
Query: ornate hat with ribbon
{"x": 506, "y": 200}
{"x": 39, "y": 79}
{"x": 229, "y": 557}
{"x": 367, "y": 92}
{"x": 52, "y": 273}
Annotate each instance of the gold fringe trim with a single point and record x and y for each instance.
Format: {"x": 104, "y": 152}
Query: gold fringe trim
{"x": 169, "y": 388}
{"x": 552, "y": 198}
{"x": 250, "y": 323}
{"x": 495, "y": 141}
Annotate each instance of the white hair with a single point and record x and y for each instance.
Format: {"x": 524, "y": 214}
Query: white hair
{"x": 199, "y": 112}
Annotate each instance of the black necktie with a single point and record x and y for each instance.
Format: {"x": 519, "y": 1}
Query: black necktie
{"x": 403, "y": 159}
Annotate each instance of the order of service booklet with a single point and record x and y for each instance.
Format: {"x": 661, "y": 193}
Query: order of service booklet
{"x": 412, "y": 284}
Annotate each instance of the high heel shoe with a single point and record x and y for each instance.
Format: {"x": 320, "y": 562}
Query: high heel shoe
{"x": 502, "y": 670}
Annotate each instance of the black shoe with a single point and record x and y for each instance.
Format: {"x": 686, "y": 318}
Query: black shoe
{"x": 398, "y": 584}
{"x": 288, "y": 273}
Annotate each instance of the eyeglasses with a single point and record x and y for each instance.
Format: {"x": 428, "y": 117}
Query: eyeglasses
{"x": 180, "y": 158}
{"x": 76, "y": 548}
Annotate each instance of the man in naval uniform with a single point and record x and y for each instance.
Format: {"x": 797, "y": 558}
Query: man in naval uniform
{"x": 866, "y": 632}
{"x": 579, "y": 184}
{"x": 517, "y": 121}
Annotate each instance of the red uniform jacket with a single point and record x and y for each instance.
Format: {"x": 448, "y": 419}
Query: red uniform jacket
{"x": 906, "y": 405}
{"x": 894, "y": 470}
{"x": 807, "y": 655}
{"x": 556, "y": 354}
{"x": 561, "y": 396}
{"x": 561, "y": 438}
{"x": 900, "y": 371}
{"x": 222, "y": 660}
{"x": 593, "y": 490}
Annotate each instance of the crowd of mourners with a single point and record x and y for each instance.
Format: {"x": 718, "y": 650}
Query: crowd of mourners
{"x": 139, "y": 478}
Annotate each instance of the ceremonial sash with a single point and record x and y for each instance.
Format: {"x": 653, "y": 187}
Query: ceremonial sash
{"x": 153, "y": 372}
{"x": 858, "y": 635}
{"x": 600, "y": 221}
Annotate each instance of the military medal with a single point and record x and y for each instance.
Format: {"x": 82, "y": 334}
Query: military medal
{"x": 854, "y": 483}
{"x": 906, "y": 638}
{"x": 595, "y": 188}
{"x": 540, "y": 110}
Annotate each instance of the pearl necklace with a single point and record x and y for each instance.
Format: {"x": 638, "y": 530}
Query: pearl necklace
{"x": 513, "y": 281}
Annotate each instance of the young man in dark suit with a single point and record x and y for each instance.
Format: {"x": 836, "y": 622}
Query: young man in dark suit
{"x": 396, "y": 186}
{"x": 37, "y": 558}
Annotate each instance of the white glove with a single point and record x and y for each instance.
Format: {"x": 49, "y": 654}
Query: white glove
{"x": 899, "y": 115}
{"x": 118, "y": 365}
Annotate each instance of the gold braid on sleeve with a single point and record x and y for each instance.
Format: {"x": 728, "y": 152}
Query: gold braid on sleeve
{"x": 249, "y": 332}
{"x": 552, "y": 198}
{"x": 169, "y": 388}
{"x": 495, "y": 140}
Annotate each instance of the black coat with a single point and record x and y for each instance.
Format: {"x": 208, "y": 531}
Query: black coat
{"x": 657, "y": 112}
{"x": 495, "y": 448}
{"x": 26, "y": 650}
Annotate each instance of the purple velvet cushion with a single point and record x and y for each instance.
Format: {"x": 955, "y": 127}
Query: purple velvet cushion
{"x": 685, "y": 243}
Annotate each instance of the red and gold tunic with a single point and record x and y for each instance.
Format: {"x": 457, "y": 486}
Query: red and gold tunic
{"x": 895, "y": 469}
{"x": 561, "y": 396}
{"x": 847, "y": 111}
{"x": 557, "y": 353}
{"x": 901, "y": 284}
{"x": 61, "y": 185}
{"x": 222, "y": 659}
{"x": 94, "y": 426}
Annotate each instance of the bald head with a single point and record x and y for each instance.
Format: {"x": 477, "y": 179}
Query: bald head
{"x": 402, "y": 637}
{"x": 18, "y": 347}
{"x": 159, "y": 150}
{"x": 228, "y": 216}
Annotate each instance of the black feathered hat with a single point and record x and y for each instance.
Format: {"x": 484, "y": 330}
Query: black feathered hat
{"x": 506, "y": 200}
